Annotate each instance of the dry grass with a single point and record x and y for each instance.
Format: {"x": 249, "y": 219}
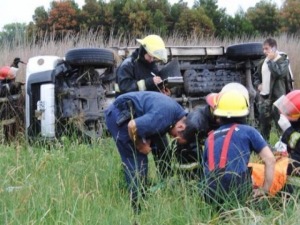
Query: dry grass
{"x": 288, "y": 44}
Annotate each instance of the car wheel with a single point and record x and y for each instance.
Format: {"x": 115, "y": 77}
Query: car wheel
{"x": 252, "y": 51}
{"x": 95, "y": 57}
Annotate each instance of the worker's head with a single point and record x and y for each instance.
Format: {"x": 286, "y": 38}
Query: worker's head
{"x": 212, "y": 98}
{"x": 16, "y": 62}
{"x": 231, "y": 104}
{"x": 155, "y": 48}
{"x": 269, "y": 45}
{"x": 8, "y": 73}
{"x": 289, "y": 105}
{"x": 176, "y": 131}
{"x": 196, "y": 126}
{"x": 237, "y": 87}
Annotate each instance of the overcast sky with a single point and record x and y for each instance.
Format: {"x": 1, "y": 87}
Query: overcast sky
{"x": 21, "y": 11}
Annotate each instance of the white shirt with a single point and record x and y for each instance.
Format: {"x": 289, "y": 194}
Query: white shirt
{"x": 266, "y": 76}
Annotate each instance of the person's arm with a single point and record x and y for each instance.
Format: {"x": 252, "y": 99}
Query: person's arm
{"x": 142, "y": 145}
{"x": 279, "y": 67}
{"x": 128, "y": 81}
{"x": 290, "y": 136}
{"x": 269, "y": 160}
{"x": 260, "y": 146}
{"x": 126, "y": 78}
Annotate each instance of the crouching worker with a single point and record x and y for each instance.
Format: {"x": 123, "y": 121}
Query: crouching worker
{"x": 134, "y": 120}
{"x": 289, "y": 122}
{"x": 198, "y": 125}
{"x": 227, "y": 153}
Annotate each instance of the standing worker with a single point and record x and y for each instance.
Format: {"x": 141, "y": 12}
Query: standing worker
{"x": 227, "y": 153}
{"x": 270, "y": 80}
{"x": 134, "y": 120}
{"x": 139, "y": 71}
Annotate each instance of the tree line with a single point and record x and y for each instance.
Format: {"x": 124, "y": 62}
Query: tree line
{"x": 133, "y": 18}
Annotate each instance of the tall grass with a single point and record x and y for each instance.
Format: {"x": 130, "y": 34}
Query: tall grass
{"x": 49, "y": 46}
{"x": 75, "y": 183}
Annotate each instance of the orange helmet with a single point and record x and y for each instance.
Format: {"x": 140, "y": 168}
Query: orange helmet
{"x": 211, "y": 99}
{"x": 289, "y": 105}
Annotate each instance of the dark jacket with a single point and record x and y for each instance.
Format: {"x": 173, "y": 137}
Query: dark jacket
{"x": 291, "y": 137}
{"x": 133, "y": 69}
{"x": 154, "y": 113}
{"x": 199, "y": 123}
{"x": 279, "y": 74}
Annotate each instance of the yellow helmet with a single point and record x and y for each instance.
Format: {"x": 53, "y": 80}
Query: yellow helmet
{"x": 231, "y": 104}
{"x": 155, "y": 46}
{"x": 238, "y": 87}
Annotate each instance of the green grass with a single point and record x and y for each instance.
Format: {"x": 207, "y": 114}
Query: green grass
{"x": 77, "y": 183}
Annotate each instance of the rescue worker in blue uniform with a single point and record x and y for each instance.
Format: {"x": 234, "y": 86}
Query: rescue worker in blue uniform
{"x": 227, "y": 153}
{"x": 134, "y": 120}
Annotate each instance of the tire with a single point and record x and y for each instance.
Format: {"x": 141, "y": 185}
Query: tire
{"x": 252, "y": 51}
{"x": 95, "y": 57}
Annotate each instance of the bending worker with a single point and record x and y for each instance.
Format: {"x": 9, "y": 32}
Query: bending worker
{"x": 134, "y": 120}
{"x": 139, "y": 72}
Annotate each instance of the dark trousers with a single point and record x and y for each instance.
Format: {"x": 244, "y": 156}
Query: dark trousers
{"x": 219, "y": 191}
{"x": 267, "y": 113}
{"x": 135, "y": 164}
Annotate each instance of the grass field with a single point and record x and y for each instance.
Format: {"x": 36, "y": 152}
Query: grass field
{"x": 75, "y": 183}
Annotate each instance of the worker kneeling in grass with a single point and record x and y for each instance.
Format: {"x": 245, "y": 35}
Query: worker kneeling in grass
{"x": 227, "y": 153}
{"x": 134, "y": 120}
{"x": 287, "y": 170}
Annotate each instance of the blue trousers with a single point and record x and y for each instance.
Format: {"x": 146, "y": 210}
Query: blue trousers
{"x": 135, "y": 163}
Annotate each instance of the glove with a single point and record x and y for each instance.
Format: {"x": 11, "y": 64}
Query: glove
{"x": 280, "y": 146}
{"x": 284, "y": 123}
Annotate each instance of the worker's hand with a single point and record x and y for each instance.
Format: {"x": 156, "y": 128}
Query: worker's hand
{"x": 132, "y": 130}
{"x": 157, "y": 79}
{"x": 258, "y": 192}
{"x": 166, "y": 91}
{"x": 143, "y": 146}
{"x": 272, "y": 55}
{"x": 259, "y": 87}
{"x": 284, "y": 123}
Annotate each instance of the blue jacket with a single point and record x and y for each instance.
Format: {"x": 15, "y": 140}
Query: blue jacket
{"x": 153, "y": 112}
